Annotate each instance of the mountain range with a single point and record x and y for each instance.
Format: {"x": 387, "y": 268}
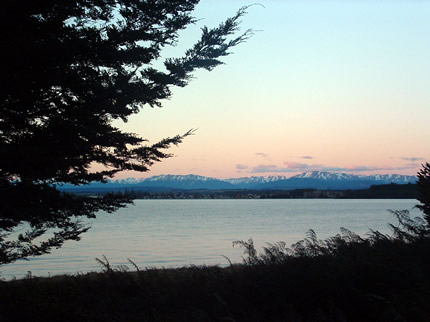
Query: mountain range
{"x": 313, "y": 180}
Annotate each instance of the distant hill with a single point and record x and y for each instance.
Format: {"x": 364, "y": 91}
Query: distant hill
{"x": 336, "y": 181}
{"x": 386, "y": 191}
{"x": 307, "y": 180}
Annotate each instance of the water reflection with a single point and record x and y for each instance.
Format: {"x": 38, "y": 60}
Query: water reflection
{"x": 174, "y": 233}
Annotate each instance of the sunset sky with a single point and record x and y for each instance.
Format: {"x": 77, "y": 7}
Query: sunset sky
{"x": 322, "y": 85}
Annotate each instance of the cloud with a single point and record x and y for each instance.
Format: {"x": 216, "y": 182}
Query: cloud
{"x": 308, "y": 157}
{"x": 241, "y": 166}
{"x": 264, "y": 168}
{"x": 296, "y": 165}
{"x": 350, "y": 169}
{"x": 367, "y": 168}
{"x": 413, "y": 165}
{"x": 303, "y": 166}
{"x": 263, "y": 155}
{"x": 413, "y": 159}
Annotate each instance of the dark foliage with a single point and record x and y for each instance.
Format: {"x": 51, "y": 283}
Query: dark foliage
{"x": 68, "y": 70}
{"x": 386, "y": 191}
{"x": 424, "y": 191}
{"x": 43, "y": 208}
{"x": 72, "y": 67}
{"x": 409, "y": 230}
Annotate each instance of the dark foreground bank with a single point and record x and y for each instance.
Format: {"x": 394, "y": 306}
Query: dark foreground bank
{"x": 344, "y": 278}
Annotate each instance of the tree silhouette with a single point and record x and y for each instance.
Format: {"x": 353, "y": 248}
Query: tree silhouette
{"x": 69, "y": 69}
{"x": 424, "y": 191}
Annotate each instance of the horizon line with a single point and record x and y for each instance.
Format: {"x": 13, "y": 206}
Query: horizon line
{"x": 265, "y": 175}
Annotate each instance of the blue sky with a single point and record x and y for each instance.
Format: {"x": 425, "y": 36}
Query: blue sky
{"x": 322, "y": 85}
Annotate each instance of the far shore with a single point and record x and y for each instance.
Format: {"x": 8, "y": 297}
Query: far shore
{"x": 388, "y": 191}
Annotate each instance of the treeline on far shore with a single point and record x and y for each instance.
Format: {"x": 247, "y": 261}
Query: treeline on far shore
{"x": 388, "y": 191}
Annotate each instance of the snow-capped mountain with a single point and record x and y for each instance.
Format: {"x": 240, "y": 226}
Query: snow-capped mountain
{"x": 334, "y": 180}
{"x": 178, "y": 178}
{"x": 190, "y": 181}
{"x": 247, "y": 182}
{"x": 395, "y": 178}
{"x": 388, "y": 178}
{"x": 323, "y": 175}
{"x": 126, "y": 181}
{"x": 313, "y": 180}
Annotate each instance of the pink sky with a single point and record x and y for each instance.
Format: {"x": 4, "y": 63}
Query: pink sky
{"x": 325, "y": 85}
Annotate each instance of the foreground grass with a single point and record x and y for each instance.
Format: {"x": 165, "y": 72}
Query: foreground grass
{"x": 346, "y": 278}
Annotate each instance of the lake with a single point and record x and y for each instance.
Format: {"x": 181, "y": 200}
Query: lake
{"x": 173, "y": 233}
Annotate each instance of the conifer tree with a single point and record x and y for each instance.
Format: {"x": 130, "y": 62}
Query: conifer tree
{"x": 69, "y": 69}
{"x": 424, "y": 191}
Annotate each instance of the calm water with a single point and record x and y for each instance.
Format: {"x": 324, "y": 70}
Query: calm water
{"x": 173, "y": 233}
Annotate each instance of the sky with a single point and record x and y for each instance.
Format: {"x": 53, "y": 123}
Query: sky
{"x": 321, "y": 86}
